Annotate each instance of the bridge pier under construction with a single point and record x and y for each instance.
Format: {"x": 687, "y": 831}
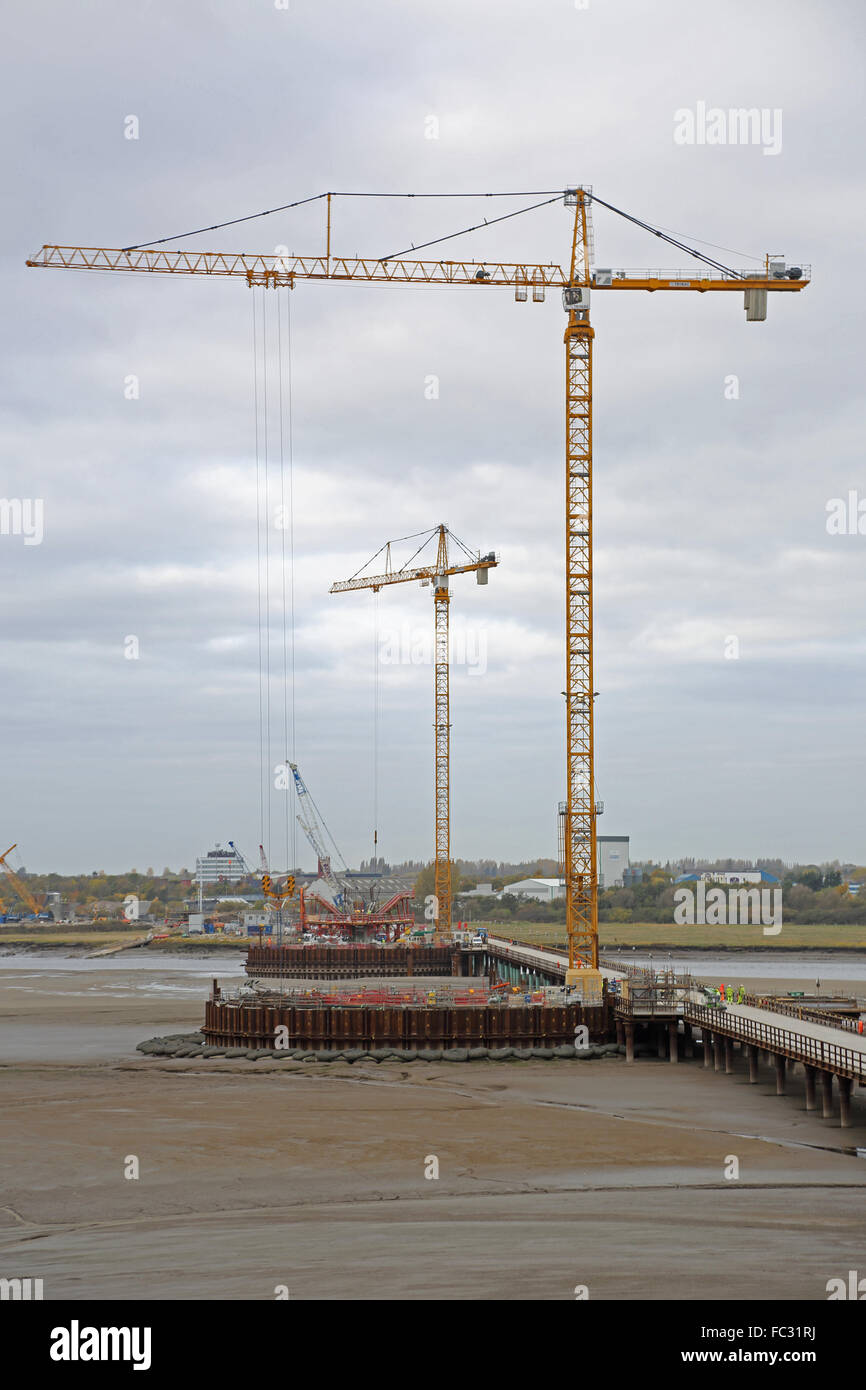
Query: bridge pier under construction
{"x": 504, "y": 992}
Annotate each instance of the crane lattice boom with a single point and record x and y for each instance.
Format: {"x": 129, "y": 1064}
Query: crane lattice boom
{"x": 309, "y": 823}
{"x": 281, "y": 271}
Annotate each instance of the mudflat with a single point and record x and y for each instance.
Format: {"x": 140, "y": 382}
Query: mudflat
{"x": 256, "y": 1175}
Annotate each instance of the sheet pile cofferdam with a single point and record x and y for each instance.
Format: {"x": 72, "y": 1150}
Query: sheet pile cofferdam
{"x": 355, "y": 962}
{"x": 410, "y": 1027}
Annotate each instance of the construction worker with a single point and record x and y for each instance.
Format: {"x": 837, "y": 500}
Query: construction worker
{"x": 722, "y": 992}
{"x": 741, "y": 995}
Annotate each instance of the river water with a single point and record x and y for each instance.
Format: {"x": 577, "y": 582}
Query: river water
{"x": 57, "y": 1007}
{"x": 69, "y": 1008}
{"x": 843, "y": 968}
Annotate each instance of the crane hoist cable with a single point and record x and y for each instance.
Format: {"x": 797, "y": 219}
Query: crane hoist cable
{"x": 274, "y": 449}
{"x": 267, "y": 547}
{"x": 377, "y": 695}
{"x": 287, "y": 524}
{"x": 258, "y": 568}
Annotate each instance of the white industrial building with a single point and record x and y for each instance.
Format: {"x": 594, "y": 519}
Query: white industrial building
{"x": 543, "y": 889}
{"x": 613, "y": 864}
{"x": 220, "y": 866}
{"x": 612, "y": 860}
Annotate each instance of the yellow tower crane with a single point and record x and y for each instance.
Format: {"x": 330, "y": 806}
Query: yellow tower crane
{"x": 277, "y": 270}
{"x": 437, "y": 576}
{"x": 18, "y": 883}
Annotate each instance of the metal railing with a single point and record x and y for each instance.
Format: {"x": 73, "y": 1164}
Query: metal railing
{"x": 441, "y": 996}
{"x": 804, "y": 1011}
{"x": 800, "y": 1047}
{"x": 693, "y": 274}
{"x": 521, "y": 955}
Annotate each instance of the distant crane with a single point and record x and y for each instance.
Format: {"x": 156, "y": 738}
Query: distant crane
{"x": 271, "y": 894}
{"x": 436, "y": 575}
{"x": 310, "y": 822}
{"x": 18, "y": 883}
{"x": 241, "y": 859}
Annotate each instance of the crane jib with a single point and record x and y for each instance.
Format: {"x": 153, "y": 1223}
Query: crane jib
{"x": 276, "y": 271}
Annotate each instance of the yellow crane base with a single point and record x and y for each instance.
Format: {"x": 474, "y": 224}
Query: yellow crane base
{"x": 590, "y": 980}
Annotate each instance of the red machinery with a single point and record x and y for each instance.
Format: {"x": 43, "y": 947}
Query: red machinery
{"x": 357, "y": 922}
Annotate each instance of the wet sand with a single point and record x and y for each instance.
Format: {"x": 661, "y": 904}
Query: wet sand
{"x": 258, "y": 1174}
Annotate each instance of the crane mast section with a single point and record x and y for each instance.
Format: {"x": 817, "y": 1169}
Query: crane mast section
{"x": 442, "y": 724}
{"x": 580, "y": 864}
{"x": 580, "y": 829}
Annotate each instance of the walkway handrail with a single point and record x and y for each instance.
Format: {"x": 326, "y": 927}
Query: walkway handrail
{"x": 517, "y": 954}
{"x": 622, "y": 968}
{"x": 800, "y": 1047}
{"x": 804, "y": 1011}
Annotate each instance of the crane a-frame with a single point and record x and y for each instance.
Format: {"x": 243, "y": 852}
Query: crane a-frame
{"x": 437, "y": 575}
{"x": 576, "y": 283}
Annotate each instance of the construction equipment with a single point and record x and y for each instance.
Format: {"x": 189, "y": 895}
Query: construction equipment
{"x": 359, "y": 923}
{"x": 283, "y": 270}
{"x": 35, "y": 905}
{"x": 274, "y": 895}
{"x": 310, "y": 822}
{"x": 241, "y": 859}
{"x": 437, "y": 576}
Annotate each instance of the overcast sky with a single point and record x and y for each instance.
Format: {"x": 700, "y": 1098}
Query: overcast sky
{"x": 711, "y": 512}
